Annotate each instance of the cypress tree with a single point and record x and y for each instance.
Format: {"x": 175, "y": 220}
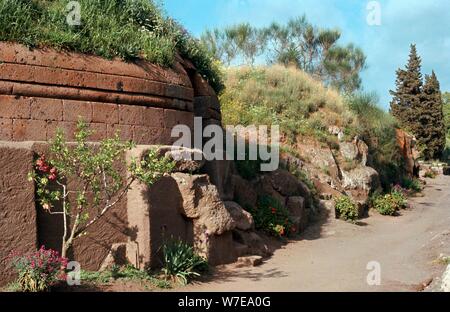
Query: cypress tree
{"x": 407, "y": 97}
{"x": 431, "y": 128}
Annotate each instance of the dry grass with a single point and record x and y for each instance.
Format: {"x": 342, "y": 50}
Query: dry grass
{"x": 284, "y": 96}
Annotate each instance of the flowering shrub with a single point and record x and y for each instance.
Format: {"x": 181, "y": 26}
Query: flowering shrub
{"x": 38, "y": 270}
{"x": 389, "y": 204}
{"x": 346, "y": 209}
{"x": 271, "y": 217}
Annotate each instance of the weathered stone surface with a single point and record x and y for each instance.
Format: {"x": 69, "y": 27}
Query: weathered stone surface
{"x": 154, "y": 214}
{"x": 18, "y": 226}
{"x": 328, "y": 208}
{"x": 217, "y": 249}
{"x": 42, "y": 89}
{"x": 363, "y": 178}
{"x": 240, "y": 250}
{"x": 221, "y": 174}
{"x": 121, "y": 254}
{"x": 325, "y": 190}
{"x": 243, "y": 219}
{"x": 255, "y": 243}
{"x": 201, "y": 201}
{"x": 319, "y": 159}
{"x": 284, "y": 182}
{"x": 299, "y": 213}
{"x": 355, "y": 151}
{"x": 363, "y": 150}
{"x": 186, "y": 160}
{"x": 287, "y": 184}
{"x": 264, "y": 187}
{"x": 291, "y": 162}
{"x": 249, "y": 261}
{"x": 296, "y": 206}
{"x": 335, "y": 130}
{"x": 244, "y": 192}
{"x": 407, "y": 146}
{"x": 446, "y": 171}
{"x": 348, "y": 150}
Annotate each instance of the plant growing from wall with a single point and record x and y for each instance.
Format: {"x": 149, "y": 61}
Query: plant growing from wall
{"x": 96, "y": 183}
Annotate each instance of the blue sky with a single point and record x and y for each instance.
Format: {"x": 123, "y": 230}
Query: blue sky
{"x": 424, "y": 22}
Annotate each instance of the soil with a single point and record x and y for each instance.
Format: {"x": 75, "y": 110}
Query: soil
{"x": 333, "y": 255}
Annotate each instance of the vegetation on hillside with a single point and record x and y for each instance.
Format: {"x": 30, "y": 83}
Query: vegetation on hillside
{"x": 128, "y": 29}
{"x": 297, "y": 43}
{"x": 304, "y": 107}
{"x": 419, "y": 108}
{"x": 277, "y": 95}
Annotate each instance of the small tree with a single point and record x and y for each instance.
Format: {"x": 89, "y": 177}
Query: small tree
{"x": 96, "y": 183}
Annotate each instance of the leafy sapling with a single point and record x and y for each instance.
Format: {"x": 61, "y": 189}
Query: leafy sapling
{"x": 84, "y": 179}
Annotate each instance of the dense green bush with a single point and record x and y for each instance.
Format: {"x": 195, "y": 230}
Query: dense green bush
{"x": 271, "y": 217}
{"x": 412, "y": 185}
{"x": 128, "y": 29}
{"x": 181, "y": 262}
{"x": 378, "y": 129}
{"x": 346, "y": 209}
{"x": 390, "y": 204}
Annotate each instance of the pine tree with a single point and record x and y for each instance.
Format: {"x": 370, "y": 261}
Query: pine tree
{"x": 431, "y": 128}
{"x": 407, "y": 97}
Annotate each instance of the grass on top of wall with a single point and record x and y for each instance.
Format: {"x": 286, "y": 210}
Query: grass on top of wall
{"x": 127, "y": 29}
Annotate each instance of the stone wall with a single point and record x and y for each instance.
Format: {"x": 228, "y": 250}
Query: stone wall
{"x": 42, "y": 90}
{"x": 17, "y": 212}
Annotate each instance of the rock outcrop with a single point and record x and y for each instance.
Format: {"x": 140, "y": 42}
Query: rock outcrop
{"x": 407, "y": 146}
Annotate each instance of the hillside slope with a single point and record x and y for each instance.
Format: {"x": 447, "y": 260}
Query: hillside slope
{"x": 338, "y": 145}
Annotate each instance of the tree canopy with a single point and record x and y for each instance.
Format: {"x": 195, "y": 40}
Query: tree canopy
{"x": 297, "y": 43}
{"x": 419, "y": 107}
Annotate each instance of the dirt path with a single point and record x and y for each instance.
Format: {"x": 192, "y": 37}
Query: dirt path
{"x": 333, "y": 256}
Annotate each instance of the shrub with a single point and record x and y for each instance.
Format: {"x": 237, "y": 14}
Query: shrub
{"x": 384, "y": 205}
{"x": 413, "y": 185}
{"x": 390, "y": 204}
{"x": 430, "y": 174}
{"x": 271, "y": 217}
{"x": 128, "y": 29}
{"x": 346, "y": 209}
{"x": 38, "y": 271}
{"x": 181, "y": 262}
{"x": 378, "y": 129}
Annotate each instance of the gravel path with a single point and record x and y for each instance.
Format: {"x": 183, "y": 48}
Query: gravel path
{"x": 333, "y": 256}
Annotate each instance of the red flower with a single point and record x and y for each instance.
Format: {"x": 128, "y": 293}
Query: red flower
{"x": 274, "y": 211}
